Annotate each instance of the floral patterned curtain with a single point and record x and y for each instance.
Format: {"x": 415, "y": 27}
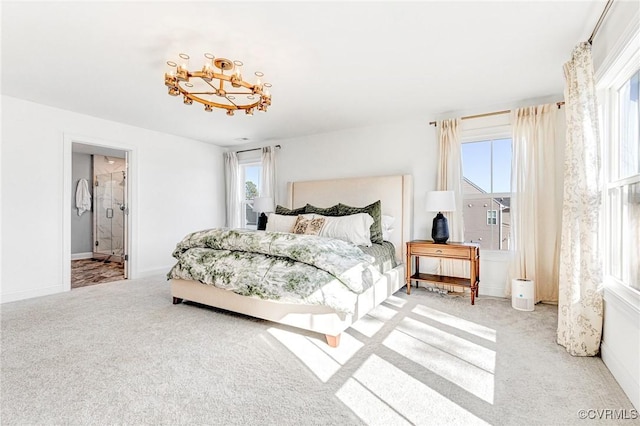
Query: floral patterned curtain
{"x": 580, "y": 272}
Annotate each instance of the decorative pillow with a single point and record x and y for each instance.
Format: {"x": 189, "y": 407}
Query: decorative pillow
{"x": 387, "y": 226}
{"x": 281, "y": 223}
{"x": 374, "y": 210}
{"x": 289, "y": 212}
{"x": 354, "y": 228}
{"x": 308, "y": 226}
{"x": 328, "y": 211}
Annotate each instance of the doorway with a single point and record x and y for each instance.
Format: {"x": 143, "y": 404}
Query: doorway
{"x": 99, "y": 222}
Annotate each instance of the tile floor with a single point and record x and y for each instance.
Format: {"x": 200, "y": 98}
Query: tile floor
{"x": 85, "y": 272}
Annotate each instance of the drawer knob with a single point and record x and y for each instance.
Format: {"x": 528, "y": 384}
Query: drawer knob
{"x": 438, "y": 251}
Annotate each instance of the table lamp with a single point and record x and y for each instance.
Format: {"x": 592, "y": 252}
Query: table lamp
{"x": 262, "y": 205}
{"x": 440, "y": 201}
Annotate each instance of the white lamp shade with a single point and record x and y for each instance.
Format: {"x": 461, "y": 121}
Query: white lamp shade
{"x": 263, "y": 204}
{"x": 440, "y": 201}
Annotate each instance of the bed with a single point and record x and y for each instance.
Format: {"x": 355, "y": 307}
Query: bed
{"x": 395, "y": 195}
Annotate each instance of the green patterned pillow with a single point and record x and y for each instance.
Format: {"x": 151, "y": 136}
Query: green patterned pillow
{"x": 374, "y": 210}
{"x": 328, "y": 211}
{"x": 288, "y": 212}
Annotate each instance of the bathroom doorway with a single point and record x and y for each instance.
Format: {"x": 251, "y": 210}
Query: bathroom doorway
{"x": 99, "y": 212}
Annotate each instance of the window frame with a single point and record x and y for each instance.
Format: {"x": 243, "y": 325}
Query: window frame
{"x": 492, "y": 217}
{"x": 608, "y": 84}
{"x": 244, "y": 164}
{"x": 491, "y": 132}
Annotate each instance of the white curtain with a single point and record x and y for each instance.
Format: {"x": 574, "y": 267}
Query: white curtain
{"x": 233, "y": 190}
{"x": 268, "y": 177}
{"x": 580, "y": 295}
{"x": 450, "y": 179}
{"x": 535, "y": 204}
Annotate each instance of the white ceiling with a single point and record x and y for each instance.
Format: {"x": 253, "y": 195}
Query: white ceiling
{"x": 333, "y": 65}
{"x": 97, "y": 150}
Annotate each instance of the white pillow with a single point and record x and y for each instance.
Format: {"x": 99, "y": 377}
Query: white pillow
{"x": 280, "y": 223}
{"x": 387, "y": 226}
{"x": 354, "y": 228}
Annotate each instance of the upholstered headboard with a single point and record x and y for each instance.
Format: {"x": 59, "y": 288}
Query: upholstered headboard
{"x": 394, "y": 192}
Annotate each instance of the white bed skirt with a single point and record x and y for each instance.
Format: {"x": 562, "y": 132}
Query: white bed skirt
{"x": 318, "y": 318}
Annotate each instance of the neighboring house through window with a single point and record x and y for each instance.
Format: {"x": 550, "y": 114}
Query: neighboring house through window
{"x": 486, "y": 191}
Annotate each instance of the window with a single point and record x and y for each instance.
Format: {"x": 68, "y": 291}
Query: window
{"x": 486, "y": 190}
{"x": 250, "y": 173}
{"x": 623, "y": 182}
{"x": 492, "y": 216}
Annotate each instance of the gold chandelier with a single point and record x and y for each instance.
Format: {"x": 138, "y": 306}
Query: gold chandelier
{"x": 210, "y": 86}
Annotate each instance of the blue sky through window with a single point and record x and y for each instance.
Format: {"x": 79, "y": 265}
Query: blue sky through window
{"x": 476, "y": 164}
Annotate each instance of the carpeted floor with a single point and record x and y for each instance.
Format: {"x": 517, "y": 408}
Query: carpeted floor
{"x": 86, "y": 272}
{"x": 121, "y": 353}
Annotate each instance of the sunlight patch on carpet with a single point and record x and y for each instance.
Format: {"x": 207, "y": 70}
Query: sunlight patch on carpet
{"x": 371, "y": 323}
{"x": 448, "y": 356}
{"x": 395, "y": 301}
{"x": 408, "y": 397}
{"x": 459, "y": 323}
{"x": 371, "y": 409}
{"x": 323, "y": 360}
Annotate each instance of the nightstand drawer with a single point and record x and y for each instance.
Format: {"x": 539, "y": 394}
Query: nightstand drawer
{"x": 441, "y": 251}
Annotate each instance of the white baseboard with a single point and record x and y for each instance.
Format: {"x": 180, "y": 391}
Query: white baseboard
{"x": 28, "y": 294}
{"x": 78, "y": 256}
{"x": 623, "y": 376}
{"x": 153, "y": 272}
{"x": 491, "y": 289}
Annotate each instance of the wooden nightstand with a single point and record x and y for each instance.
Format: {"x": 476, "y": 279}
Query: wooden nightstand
{"x": 461, "y": 251}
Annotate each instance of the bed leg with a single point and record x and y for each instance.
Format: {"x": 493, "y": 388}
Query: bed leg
{"x": 177, "y": 300}
{"x": 333, "y": 341}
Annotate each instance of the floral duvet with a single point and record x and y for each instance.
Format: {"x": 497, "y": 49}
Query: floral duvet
{"x": 278, "y": 266}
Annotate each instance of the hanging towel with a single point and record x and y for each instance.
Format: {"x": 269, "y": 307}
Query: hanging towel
{"x": 83, "y": 197}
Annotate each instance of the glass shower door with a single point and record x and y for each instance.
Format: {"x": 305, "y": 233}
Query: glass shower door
{"x": 109, "y": 216}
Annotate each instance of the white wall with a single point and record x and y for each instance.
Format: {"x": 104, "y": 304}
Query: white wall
{"x": 409, "y": 147}
{"x": 178, "y": 188}
{"x": 620, "y": 347}
{"x": 620, "y": 19}
{"x": 400, "y": 148}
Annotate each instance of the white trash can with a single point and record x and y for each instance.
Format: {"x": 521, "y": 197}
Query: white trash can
{"x": 522, "y": 294}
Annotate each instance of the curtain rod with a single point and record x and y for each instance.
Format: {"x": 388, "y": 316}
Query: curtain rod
{"x": 489, "y": 114}
{"x": 597, "y": 27}
{"x": 254, "y": 149}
